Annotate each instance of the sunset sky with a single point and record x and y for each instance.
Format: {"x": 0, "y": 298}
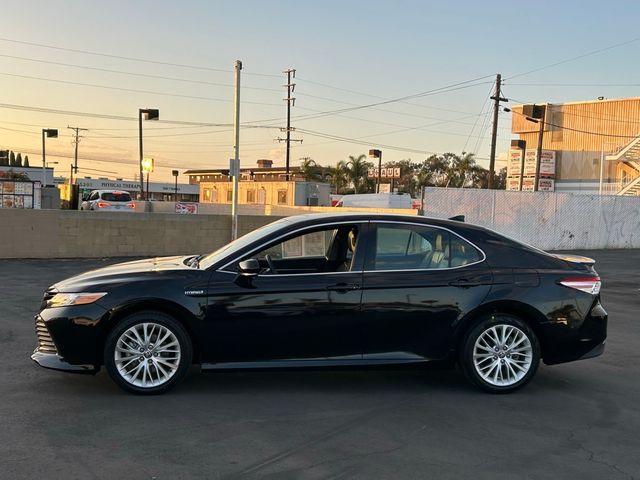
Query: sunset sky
{"x": 79, "y": 59}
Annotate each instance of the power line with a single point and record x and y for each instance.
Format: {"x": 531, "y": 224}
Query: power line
{"x": 575, "y": 84}
{"x": 572, "y": 59}
{"x": 482, "y": 114}
{"x": 136, "y": 74}
{"x": 133, "y": 59}
{"x": 132, "y": 90}
{"x": 55, "y": 111}
{"x": 586, "y": 132}
{"x": 419, "y": 105}
{"x": 402, "y": 114}
{"x": 436, "y": 91}
{"x": 360, "y": 142}
{"x": 610, "y": 118}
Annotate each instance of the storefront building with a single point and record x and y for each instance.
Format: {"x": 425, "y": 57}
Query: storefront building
{"x": 157, "y": 191}
{"x": 587, "y": 147}
{"x": 262, "y": 185}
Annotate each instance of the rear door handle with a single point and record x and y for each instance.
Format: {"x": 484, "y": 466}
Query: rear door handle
{"x": 464, "y": 283}
{"x": 343, "y": 287}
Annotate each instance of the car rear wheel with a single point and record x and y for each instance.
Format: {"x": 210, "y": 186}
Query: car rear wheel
{"x": 148, "y": 353}
{"x": 500, "y": 354}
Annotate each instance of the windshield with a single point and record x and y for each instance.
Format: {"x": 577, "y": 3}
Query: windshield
{"x": 240, "y": 243}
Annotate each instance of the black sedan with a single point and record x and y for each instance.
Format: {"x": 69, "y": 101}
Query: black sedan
{"x": 330, "y": 290}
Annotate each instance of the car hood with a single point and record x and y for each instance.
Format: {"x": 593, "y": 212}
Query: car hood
{"x": 122, "y": 273}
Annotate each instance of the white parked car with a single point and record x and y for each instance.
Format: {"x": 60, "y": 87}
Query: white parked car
{"x": 108, "y": 201}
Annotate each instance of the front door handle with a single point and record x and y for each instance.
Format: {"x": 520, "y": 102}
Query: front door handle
{"x": 464, "y": 283}
{"x": 343, "y": 287}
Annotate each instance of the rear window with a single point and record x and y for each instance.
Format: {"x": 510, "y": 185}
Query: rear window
{"x": 116, "y": 196}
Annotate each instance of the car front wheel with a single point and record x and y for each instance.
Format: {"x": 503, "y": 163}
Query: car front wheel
{"x": 500, "y": 354}
{"x": 147, "y": 353}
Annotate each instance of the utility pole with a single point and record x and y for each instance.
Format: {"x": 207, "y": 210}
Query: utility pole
{"x": 494, "y": 132}
{"x": 541, "y": 121}
{"x": 75, "y": 155}
{"x": 291, "y": 101}
{"x": 235, "y": 163}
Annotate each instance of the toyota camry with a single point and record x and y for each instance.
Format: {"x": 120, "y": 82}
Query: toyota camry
{"x": 342, "y": 290}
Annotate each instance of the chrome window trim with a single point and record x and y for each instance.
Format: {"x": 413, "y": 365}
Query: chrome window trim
{"x": 373, "y": 222}
{"x": 301, "y": 229}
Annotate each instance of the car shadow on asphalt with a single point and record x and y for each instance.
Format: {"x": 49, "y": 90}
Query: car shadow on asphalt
{"x": 429, "y": 379}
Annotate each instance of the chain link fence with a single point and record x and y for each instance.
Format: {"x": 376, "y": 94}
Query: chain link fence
{"x": 547, "y": 220}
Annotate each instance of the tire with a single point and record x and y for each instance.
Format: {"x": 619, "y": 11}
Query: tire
{"x": 500, "y": 354}
{"x": 138, "y": 365}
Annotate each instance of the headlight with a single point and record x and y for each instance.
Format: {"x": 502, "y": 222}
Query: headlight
{"x": 67, "y": 299}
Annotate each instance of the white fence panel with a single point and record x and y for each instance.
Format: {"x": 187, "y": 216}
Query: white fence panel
{"x": 548, "y": 220}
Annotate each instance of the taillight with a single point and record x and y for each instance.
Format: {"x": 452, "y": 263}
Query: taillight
{"x": 103, "y": 204}
{"x": 131, "y": 205}
{"x": 585, "y": 284}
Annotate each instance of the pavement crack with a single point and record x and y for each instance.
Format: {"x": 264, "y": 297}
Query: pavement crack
{"x": 591, "y": 456}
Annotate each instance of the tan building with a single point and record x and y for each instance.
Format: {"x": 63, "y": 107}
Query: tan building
{"x": 263, "y": 185}
{"x": 578, "y": 135}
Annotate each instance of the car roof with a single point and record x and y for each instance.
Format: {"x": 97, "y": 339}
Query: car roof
{"x": 311, "y": 218}
{"x": 110, "y": 191}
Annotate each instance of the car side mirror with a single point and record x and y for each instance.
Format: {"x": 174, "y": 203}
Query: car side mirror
{"x": 85, "y": 198}
{"x": 249, "y": 268}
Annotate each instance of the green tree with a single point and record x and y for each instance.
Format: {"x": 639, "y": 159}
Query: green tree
{"x": 19, "y": 160}
{"x": 339, "y": 177}
{"x": 357, "y": 170}
{"x": 12, "y": 159}
{"x": 26, "y": 161}
{"x": 310, "y": 170}
{"x": 433, "y": 172}
{"x": 407, "y": 183}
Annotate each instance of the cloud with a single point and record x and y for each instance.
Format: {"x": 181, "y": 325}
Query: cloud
{"x": 276, "y": 153}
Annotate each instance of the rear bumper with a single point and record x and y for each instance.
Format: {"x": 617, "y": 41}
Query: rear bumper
{"x": 579, "y": 339}
{"x": 594, "y": 352}
{"x": 54, "y": 361}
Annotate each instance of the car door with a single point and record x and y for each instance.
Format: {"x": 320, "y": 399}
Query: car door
{"x": 418, "y": 281}
{"x": 308, "y": 309}
{"x": 88, "y": 203}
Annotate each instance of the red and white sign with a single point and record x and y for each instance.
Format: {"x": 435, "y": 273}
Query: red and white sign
{"x": 514, "y": 164}
{"x": 546, "y": 185}
{"x": 547, "y": 163}
{"x": 384, "y": 173}
{"x": 187, "y": 208}
{"x": 513, "y": 183}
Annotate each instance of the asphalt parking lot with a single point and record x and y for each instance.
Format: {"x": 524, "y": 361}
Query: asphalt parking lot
{"x": 573, "y": 421}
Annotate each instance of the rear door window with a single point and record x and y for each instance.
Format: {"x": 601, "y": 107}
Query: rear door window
{"x": 417, "y": 247}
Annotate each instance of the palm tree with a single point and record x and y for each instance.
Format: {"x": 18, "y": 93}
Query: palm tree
{"x": 357, "y": 169}
{"x": 309, "y": 169}
{"x": 339, "y": 177}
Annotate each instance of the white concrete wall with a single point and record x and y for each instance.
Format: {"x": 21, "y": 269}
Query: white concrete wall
{"x": 547, "y": 220}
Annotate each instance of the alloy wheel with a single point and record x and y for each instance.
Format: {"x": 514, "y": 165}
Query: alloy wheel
{"x": 147, "y": 355}
{"x": 502, "y": 355}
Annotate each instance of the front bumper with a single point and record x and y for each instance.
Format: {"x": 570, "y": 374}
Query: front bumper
{"x": 70, "y": 338}
{"x": 54, "y": 361}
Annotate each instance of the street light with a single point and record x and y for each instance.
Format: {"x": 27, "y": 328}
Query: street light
{"x": 175, "y": 174}
{"x": 147, "y": 166}
{"x": 51, "y": 133}
{"x": 377, "y": 154}
{"x": 148, "y": 114}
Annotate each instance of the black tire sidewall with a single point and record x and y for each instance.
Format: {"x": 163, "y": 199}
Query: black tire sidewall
{"x": 466, "y": 352}
{"x": 186, "y": 350}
